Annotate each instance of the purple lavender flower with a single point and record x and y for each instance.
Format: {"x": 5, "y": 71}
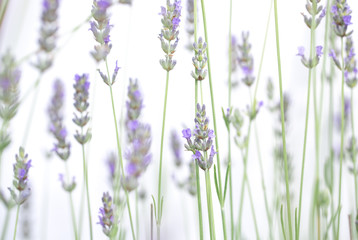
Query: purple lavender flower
{"x": 203, "y": 139}
{"x": 81, "y": 104}
{"x": 139, "y": 138}
{"x": 9, "y": 89}
{"x": 48, "y": 30}
{"x": 314, "y": 11}
{"x": 176, "y": 148}
{"x": 55, "y": 112}
{"x": 171, "y": 19}
{"x": 67, "y": 185}
{"x": 253, "y": 111}
{"x": 341, "y": 15}
{"x": 101, "y": 29}
{"x": 246, "y": 60}
{"x": 199, "y": 61}
{"x": 20, "y": 182}
{"x": 350, "y": 64}
{"x": 310, "y": 62}
{"x": 107, "y": 217}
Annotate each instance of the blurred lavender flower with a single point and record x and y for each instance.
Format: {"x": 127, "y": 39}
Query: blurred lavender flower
{"x": 190, "y": 22}
{"x": 134, "y": 109}
{"x": 111, "y": 162}
{"x": 314, "y": 11}
{"x": 81, "y": 104}
{"x": 350, "y": 63}
{"x": 253, "y": 111}
{"x": 176, "y": 148}
{"x": 171, "y": 19}
{"x": 203, "y": 140}
{"x": 111, "y": 81}
{"x": 55, "y": 112}
{"x": 245, "y": 59}
{"x": 20, "y": 182}
{"x": 199, "y": 61}
{"x": 341, "y": 15}
{"x": 139, "y": 138}
{"x": 310, "y": 62}
{"x": 106, "y": 216}
{"x": 48, "y": 30}
{"x": 67, "y": 185}
{"x": 347, "y": 112}
{"x": 101, "y": 29}
{"x": 9, "y": 87}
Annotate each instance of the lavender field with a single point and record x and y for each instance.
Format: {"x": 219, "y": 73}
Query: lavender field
{"x": 178, "y": 119}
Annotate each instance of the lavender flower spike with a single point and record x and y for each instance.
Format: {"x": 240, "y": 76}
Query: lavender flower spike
{"x": 313, "y": 10}
{"x": 350, "y": 64}
{"x": 101, "y": 29}
{"x": 199, "y": 61}
{"x": 203, "y": 140}
{"x": 57, "y": 128}
{"x": 176, "y": 148}
{"x": 48, "y": 32}
{"x": 246, "y": 60}
{"x": 341, "y": 15}
{"x": 170, "y": 20}
{"x": 81, "y": 104}
{"x": 106, "y": 216}
{"x": 20, "y": 182}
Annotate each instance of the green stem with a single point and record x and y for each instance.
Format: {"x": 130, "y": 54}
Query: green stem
{"x": 304, "y": 153}
{"x": 17, "y": 219}
{"x": 214, "y": 116}
{"x": 268, "y": 214}
{"x": 228, "y": 129}
{"x": 119, "y": 149}
{"x": 71, "y": 205}
{"x": 85, "y": 175}
{"x": 3, "y": 9}
{"x": 210, "y": 205}
{"x": 252, "y": 207}
{"x": 354, "y": 153}
{"x": 342, "y": 138}
{"x": 80, "y": 221}
{"x": 238, "y": 234}
{"x": 283, "y": 123}
{"x": 6, "y": 223}
{"x": 137, "y": 212}
{"x": 160, "y": 210}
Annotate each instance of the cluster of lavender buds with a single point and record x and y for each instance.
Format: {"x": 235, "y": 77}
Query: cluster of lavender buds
{"x": 111, "y": 162}
{"x": 310, "y": 62}
{"x": 9, "y": 95}
{"x": 101, "y": 29}
{"x": 111, "y": 81}
{"x": 245, "y": 59}
{"x": 48, "y": 32}
{"x": 237, "y": 121}
{"x": 171, "y": 19}
{"x": 253, "y": 111}
{"x": 176, "y": 148}
{"x": 81, "y": 104}
{"x": 190, "y": 22}
{"x": 139, "y": 138}
{"x": 68, "y": 186}
{"x": 106, "y": 216}
{"x": 312, "y": 10}
{"x": 20, "y": 182}
{"x": 199, "y": 61}
{"x": 203, "y": 139}
{"x": 9, "y": 87}
{"x": 134, "y": 108}
{"x": 341, "y": 15}
{"x": 350, "y": 63}
{"x": 57, "y": 128}
{"x": 234, "y": 54}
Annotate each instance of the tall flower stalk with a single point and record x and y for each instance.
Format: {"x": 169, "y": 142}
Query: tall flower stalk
{"x": 220, "y": 191}
{"x": 283, "y": 123}
{"x": 310, "y": 63}
{"x": 62, "y": 147}
{"x": 170, "y": 20}
{"x": 200, "y": 146}
{"x": 341, "y": 15}
{"x": 100, "y": 28}
{"x": 81, "y": 119}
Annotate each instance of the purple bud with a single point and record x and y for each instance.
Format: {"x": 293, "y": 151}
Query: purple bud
{"x": 211, "y": 134}
{"x": 186, "y": 133}
{"x": 197, "y": 155}
{"x": 323, "y": 13}
{"x": 301, "y": 51}
{"x": 212, "y": 152}
{"x": 347, "y": 19}
{"x": 319, "y": 51}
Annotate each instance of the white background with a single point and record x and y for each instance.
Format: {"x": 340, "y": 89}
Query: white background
{"x": 137, "y": 49}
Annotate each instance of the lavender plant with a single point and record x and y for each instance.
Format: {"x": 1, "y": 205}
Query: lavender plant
{"x": 20, "y": 183}
{"x": 169, "y": 32}
{"x": 107, "y": 218}
{"x": 81, "y": 119}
